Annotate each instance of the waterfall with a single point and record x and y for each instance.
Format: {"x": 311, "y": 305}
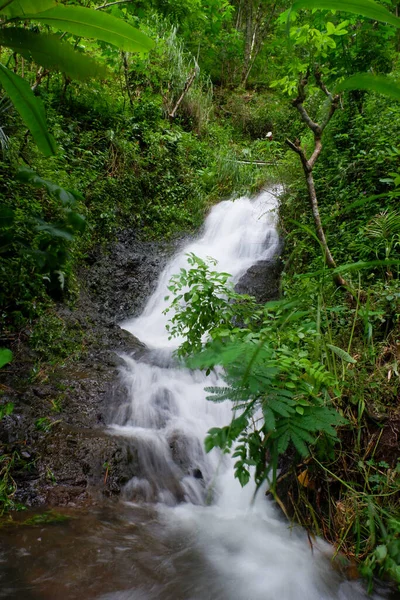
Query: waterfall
{"x": 230, "y": 548}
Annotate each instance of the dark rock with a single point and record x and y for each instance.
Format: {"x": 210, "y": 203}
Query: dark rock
{"x": 262, "y": 280}
{"x": 121, "y": 279}
{"x": 57, "y": 429}
{"x": 197, "y": 474}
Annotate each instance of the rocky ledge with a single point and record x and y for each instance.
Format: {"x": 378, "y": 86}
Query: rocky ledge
{"x": 57, "y": 449}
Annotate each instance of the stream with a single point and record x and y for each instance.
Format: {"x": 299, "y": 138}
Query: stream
{"x": 185, "y": 529}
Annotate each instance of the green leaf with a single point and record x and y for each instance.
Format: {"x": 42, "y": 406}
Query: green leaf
{"x": 330, "y": 28}
{"x": 85, "y": 22}
{"x": 30, "y": 109}
{"x": 299, "y": 444}
{"x": 242, "y": 474}
{"x": 6, "y": 356}
{"x": 381, "y": 553}
{"x": 269, "y": 419}
{"x": 19, "y": 8}
{"x": 54, "y": 231}
{"x": 76, "y": 221}
{"x": 6, "y": 409}
{"x": 364, "y": 8}
{"x": 372, "y": 83}
{"x": 342, "y": 354}
{"x": 283, "y": 441}
{"x": 67, "y": 197}
{"x": 280, "y": 408}
{"x": 47, "y": 50}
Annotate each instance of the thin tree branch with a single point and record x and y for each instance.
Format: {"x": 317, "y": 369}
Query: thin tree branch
{"x": 41, "y": 74}
{"x": 126, "y": 75}
{"x": 299, "y": 150}
{"x": 188, "y": 84}
{"x": 298, "y": 103}
{"x": 316, "y": 153}
{"x": 113, "y": 4}
{"x": 334, "y": 100}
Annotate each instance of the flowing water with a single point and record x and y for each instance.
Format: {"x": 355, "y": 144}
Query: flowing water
{"x": 186, "y": 529}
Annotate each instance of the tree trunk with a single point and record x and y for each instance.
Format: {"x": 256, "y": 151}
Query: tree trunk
{"x": 329, "y": 261}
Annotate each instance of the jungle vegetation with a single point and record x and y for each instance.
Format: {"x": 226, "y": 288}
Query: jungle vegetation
{"x": 143, "y": 114}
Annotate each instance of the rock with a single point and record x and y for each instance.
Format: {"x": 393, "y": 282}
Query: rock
{"x": 262, "y": 280}
{"x": 57, "y": 431}
{"x": 121, "y": 278}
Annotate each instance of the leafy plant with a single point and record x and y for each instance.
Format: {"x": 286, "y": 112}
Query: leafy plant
{"x": 51, "y": 52}
{"x": 6, "y": 356}
{"x": 279, "y": 395}
{"x": 6, "y": 409}
{"x": 384, "y": 230}
{"x": 204, "y": 303}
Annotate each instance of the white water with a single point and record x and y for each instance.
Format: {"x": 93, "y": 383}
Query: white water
{"x": 243, "y": 551}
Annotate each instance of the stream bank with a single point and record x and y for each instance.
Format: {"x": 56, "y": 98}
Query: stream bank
{"x": 59, "y": 453}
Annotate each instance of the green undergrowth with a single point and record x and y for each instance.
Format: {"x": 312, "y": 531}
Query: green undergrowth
{"x": 129, "y": 167}
{"x": 50, "y": 517}
{"x": 314, "y": 396}
{"x": 352, "y": 497}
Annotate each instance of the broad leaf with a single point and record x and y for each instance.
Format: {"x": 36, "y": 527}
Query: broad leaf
{"x": 47, "y": 50}
{"x": 20, "y": 8}
{"x": 365, "y": 8}
{"x": 372, "y": 83}
{"x": 6, "y": 356}
{"x": 365, "y": 264}
{"x": 29, "y": 107}
{"x": 95, "y": 24}
{"x": 342, "y": 354}
{"x": 54, "y": 231}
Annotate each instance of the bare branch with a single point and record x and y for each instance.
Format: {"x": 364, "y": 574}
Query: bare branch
{"x": 294, "y": 147}
{"x": 316, "y": 153}
{"x": 298, "y": 103}
{"x": 308, "y": 164}
{"x": 321, "y": 85}
{"x": 112, "y": 4}
{"x": 188, "y": 84}
{"x": 299, "y": 150}
{"x": 335, "y": 103}
{"x": 41, "y": 74}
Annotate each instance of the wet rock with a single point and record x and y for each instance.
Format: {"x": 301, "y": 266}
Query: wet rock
{"x": 77, "y": 466}
{"x": 121, "y": 278}
{"x": 186, "y": 452}
{"x": 262, "y": 280}
{"x": 57, "y": 430}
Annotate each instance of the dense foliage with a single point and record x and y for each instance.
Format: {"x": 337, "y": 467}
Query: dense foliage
{"x": 175, "y": 120}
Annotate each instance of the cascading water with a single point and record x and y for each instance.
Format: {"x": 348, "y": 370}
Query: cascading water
{"x": 232, "y": 549}
{"x": 167, "y": 415}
